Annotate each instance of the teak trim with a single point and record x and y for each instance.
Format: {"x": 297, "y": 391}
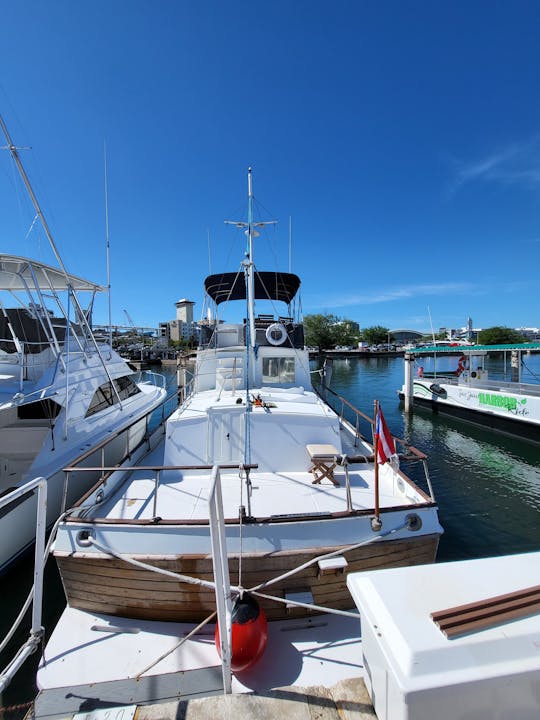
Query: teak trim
{"x": 486, "y": 613}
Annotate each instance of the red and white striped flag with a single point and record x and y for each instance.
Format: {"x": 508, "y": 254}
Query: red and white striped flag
{"x": 385, "y": 442}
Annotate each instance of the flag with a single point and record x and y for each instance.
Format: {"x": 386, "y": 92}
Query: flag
{"x": 385, "y": 442}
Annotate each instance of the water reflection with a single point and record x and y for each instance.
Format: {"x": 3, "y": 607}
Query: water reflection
{"x": 487, "y": 485}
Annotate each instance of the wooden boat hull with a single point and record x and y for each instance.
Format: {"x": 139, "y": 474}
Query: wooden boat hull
{"x": 103, "y": 584}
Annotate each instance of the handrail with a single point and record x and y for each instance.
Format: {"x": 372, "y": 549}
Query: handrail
{"x": 412, "y": 453}
{"x": 117, "y": 433}
{"x": 37, "y": 630}
{"x": 101, "y": 446}
{"x": 221, "y": 575}
{"x": 418, "y": 454}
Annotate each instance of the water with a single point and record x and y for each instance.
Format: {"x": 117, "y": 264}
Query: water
{"x": 487, "y": 487}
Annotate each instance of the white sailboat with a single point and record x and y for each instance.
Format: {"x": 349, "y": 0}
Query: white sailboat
{"x": 303, "y": 499}
{"x": 61, "y": 392}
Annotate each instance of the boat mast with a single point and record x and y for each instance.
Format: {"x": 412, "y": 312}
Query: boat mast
{"x": 249, "y": 264}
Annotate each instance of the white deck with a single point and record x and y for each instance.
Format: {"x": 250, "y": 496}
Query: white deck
{"x": 318, "y": 651}
{"x": 186, "y": 497}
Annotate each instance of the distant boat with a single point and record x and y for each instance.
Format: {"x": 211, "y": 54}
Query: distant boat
{"x": 61, "y": 392}
{"x": 467, "y": 392}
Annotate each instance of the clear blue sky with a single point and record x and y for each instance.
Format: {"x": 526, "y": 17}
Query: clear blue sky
{"x": 403, "y": 138}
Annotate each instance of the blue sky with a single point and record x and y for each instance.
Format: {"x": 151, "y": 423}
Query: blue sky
{"x": 402, "y": 138}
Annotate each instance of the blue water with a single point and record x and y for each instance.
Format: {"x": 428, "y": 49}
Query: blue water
{"x": 487, "y": 487}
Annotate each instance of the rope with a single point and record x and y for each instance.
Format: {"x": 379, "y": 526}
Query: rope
{"x": 309, "y": 606}
{"x": 160, "y": 571}
{"x": 256, "y": 588}
{"x": 30, "y": 597}
{"x": 178, "y": 644}
{"x": 529, "y": 369}
{"x": 240, "y": 531}
{"x": 14, "y": 708}
{"x": 341, "y": 551}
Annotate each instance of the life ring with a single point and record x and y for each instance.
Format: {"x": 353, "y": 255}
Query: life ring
{"x": 461, "y": 365}
{"x": 276, "y": 334}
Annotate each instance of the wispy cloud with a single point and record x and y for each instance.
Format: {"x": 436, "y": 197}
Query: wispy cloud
{"x": 395, "y": 294}
{"x": 518, "y": 163}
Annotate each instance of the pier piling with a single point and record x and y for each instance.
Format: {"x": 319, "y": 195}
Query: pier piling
{"x": 409, "y": 379}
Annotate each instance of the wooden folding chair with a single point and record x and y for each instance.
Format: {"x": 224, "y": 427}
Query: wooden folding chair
{"x": 323, "y": 461}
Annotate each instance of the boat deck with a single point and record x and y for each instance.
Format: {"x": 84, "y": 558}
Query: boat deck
{"x": 313, "y": 651}
{"x": 185, "y": 496}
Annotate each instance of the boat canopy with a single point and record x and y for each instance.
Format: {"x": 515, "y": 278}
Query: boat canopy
{"x": 280, "y": 286}
{"x": 18, "y": 273}
{"x": 474, "y": 349}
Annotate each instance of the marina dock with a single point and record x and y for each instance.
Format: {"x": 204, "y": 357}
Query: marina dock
{"x": 346, "y": 700}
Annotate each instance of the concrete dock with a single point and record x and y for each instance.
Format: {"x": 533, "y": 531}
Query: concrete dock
{"x": 346, "y": 700}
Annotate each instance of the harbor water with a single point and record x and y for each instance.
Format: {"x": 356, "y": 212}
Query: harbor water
{"x": 487, "y": 487}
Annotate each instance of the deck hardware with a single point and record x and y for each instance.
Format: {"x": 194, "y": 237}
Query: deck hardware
{"x": 84, "y": 538}
{"x": 414, "y": 522}
{"x": 376, "y": 524}
{"x": 332, "y": 566}
{"x": 297, "y": 596}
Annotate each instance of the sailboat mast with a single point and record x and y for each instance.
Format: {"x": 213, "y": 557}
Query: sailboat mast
{"x": 250, "y": 273}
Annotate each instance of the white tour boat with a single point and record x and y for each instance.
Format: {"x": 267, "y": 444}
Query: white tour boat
{"x": 461, "y": 386}
{"x": 303, "y": 501}
{"x": 61, "y": 392}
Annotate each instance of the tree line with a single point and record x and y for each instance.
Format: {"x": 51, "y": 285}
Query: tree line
{"x": 327, "y": 331}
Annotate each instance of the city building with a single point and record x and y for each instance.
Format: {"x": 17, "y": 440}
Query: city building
{"x": 532, "y": 334}
{"x": 182, "y": 327}
{"x": 402, "y": 336}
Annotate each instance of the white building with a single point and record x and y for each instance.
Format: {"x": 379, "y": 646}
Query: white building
{"x": 532, "y": 334}
{"x": 182, "y": 327}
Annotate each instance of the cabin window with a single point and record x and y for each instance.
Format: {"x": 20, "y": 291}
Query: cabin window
{"x": 105, "y": 396}
{"x": 41, "y": 410}
{"x": 278, "y": 370}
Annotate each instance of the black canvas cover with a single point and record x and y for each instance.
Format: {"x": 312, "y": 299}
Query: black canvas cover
{"x": 280, "y": 286}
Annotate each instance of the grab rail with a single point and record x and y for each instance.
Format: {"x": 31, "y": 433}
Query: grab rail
{"x": 411, "y": 453}
{"x": 101, "y": 447}
{"x": 36, "y": 596}
{"x": 415, "y": 453}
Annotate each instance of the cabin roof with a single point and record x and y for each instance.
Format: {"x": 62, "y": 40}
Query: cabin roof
{"x": 18, "y": 273}
{"x": 280, "y": 286}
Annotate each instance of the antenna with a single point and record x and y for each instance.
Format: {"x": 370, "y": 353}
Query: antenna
{"x": 290, "y": 242}
{"x": 107, "y": 241}
{"x": 431, "y": 325}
